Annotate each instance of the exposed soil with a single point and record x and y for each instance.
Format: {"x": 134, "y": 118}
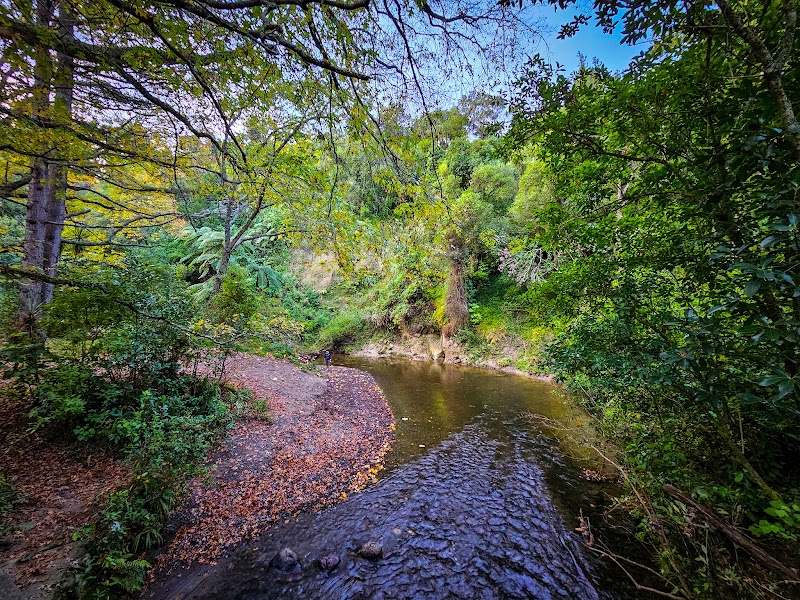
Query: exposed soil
{"x": 325, "y": 439}
{"x": 436, "y": 348}
{"x": 63, "y": 484}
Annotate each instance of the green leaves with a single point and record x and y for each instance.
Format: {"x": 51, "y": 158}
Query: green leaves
{"x": 751, "y": 287}
{"x": 785, "y": 522}
{"x": 785, "y": 383}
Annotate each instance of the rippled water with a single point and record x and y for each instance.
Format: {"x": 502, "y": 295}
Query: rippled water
{"x": 474, "y": 504}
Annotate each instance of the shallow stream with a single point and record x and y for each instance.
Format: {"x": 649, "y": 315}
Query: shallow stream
{"x": 477, "y": 501}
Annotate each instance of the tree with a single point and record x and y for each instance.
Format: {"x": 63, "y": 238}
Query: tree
{"x": 486, "y": 113}
{"x": 675, "y": 195}
{"x": 92, "y": 87}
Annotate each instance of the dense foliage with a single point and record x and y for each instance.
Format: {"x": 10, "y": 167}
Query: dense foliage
{"x": 634, "y": 234}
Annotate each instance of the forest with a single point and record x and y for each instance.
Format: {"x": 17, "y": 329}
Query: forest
{"x": 185, "y": 180}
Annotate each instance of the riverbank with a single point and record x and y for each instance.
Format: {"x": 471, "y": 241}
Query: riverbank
{"x": 305, "y": 441}
{"x": 437, "y": 348}
{"x": 325, "y": 438}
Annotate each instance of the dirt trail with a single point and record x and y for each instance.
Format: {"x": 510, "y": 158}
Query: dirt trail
{"x": 326, "y": 439}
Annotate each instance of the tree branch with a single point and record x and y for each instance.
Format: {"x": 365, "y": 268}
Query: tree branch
{"x": 771, "y": 68}
{"x": 8, "y": 188}
{"x": 735, "y": 535}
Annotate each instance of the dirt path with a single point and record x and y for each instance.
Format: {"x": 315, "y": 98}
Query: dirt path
{"x": 326, "y": 439}
{"x": 64, "y": 485}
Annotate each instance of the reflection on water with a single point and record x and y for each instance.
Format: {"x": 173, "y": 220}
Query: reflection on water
{"x": 464, "y": 509}
{"x": 430, "y": 400}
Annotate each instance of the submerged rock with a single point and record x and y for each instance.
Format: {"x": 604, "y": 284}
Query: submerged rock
{"x": 371, "y": 550}
{"x": 285, "y": 560}
{"x": 329, "y": 562}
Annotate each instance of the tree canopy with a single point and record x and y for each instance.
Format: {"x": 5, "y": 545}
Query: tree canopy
{"x": 184, "y": 178}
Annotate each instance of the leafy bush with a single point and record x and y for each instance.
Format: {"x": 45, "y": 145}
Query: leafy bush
{"x": 236, "y": 301}
{"x": 343, "y": 328}
{"x": 165, "y": 438}
{"x": 61, "y": 395}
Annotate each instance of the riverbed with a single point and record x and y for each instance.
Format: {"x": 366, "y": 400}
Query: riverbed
{"x": 478, "y": 500}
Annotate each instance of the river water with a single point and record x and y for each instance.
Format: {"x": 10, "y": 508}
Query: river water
{"x": 477, "y": 501}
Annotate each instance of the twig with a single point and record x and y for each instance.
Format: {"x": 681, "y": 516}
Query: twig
{"x": 636, "y": 584}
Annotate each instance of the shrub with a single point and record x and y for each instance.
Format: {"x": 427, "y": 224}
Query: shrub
{"x": 343, "y": 328}
{"x": 165, "y": 439}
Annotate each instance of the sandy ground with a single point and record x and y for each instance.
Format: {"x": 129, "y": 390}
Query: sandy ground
{"x": 325, "y": 438}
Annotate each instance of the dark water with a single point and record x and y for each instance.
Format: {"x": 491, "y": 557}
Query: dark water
{"x": 477, "y": 501}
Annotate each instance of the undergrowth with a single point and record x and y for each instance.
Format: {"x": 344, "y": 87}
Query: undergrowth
{"x": 127, "y": 383}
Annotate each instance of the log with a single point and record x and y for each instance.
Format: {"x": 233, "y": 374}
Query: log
{"x": 735, "y": 535}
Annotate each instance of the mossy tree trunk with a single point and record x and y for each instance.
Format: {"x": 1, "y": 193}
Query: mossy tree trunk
{"x": 456, "y": 307}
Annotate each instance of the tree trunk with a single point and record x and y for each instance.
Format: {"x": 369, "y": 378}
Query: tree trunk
{"x": 40, "y": 188}
{"x": 227, "y": 245}
{"x": 57, "y": 209}
{"x": 40, "y": 192}
{"x": 47, "y": 191}
{"x": 456, "y": 308}
{"x": 222, "y": 269}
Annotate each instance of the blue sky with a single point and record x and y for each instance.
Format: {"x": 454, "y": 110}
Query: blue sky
{"x": 590, "y": 41}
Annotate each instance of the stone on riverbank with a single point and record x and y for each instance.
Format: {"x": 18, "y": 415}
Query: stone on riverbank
{"x": 329, "y": 562}
{"x": 285, "y": 560}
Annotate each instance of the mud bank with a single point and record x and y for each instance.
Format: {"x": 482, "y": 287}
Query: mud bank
{"x": 436, "y": 348}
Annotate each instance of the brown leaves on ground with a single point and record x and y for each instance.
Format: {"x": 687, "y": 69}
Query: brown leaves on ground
{"x": 63, "y": 486}
{"x": 326, "y": 439}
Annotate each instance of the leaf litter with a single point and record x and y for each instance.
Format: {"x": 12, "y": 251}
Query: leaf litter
{"x": 325, "y": 438}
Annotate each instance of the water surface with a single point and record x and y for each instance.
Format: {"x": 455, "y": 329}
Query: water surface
{"x": 477, "y": 501}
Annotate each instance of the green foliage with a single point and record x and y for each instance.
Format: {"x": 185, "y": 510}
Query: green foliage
{"x": 668, "y": 194}
{"x": 495, "y": 183}
{"x": 236, "y": 301}
{"x": 784, "y": 521}
{"x": 61, "y": 395}
{"x": 242, "y": 404}
{"x": 475, "y": 315}
{"x": 647, "y": 257}
{"x": 166, "y": 439}
{"x": 342, "y": 329}
{"x": 534, "y": 196}
{"x": 22, "y": 359}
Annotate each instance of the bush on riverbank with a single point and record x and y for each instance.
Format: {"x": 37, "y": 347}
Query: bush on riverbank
{"x": 115, "y": 376}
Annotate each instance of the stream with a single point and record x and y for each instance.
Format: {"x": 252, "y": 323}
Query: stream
{"x": 477, "y": 500}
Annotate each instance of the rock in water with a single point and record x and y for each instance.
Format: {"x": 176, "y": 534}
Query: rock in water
{"x": 285, "y": 560}
{"x": 329, "y": 562}
{"x": 371, "y": 550}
